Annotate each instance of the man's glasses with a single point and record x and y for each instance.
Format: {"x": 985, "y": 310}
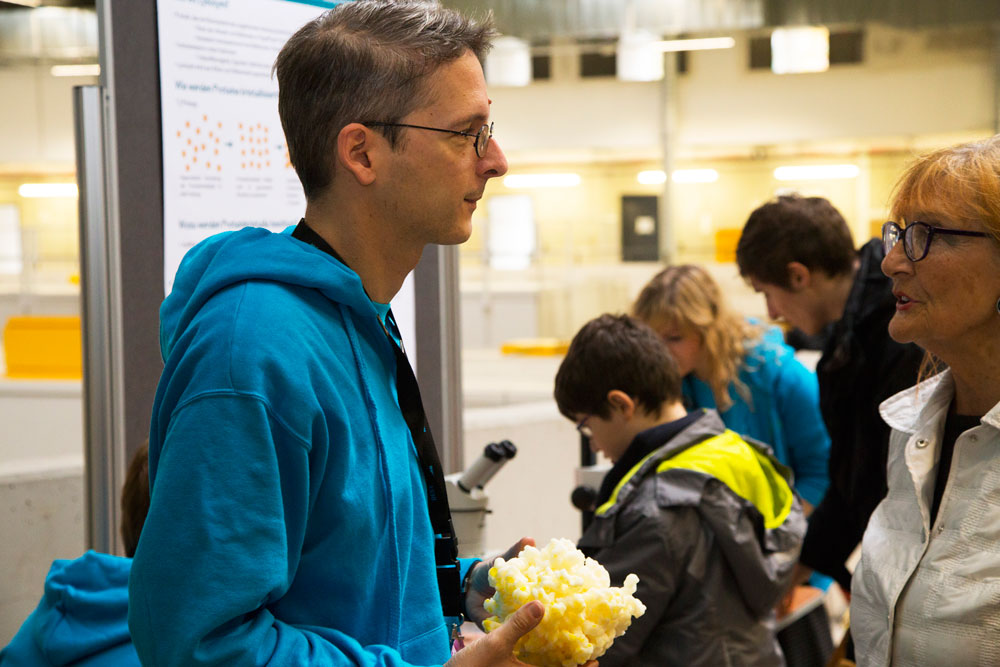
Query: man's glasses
{"x": 584, "y": 428}
{"x": 916, "y": 237}
{"x": 482, "y": 137}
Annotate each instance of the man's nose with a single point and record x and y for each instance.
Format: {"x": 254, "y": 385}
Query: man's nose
{"x": 494, "y": 162}
{"x": 772, "y": 312}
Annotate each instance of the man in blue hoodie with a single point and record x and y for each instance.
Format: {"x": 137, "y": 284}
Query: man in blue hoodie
{"x": 298, "y": 512}
{"x": 82, "y": 617}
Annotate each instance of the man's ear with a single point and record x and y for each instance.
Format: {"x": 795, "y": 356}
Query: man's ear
{"x": 799, "y": 276}
{"x": 621, "y": 402}
{"x": 355, "y": 145}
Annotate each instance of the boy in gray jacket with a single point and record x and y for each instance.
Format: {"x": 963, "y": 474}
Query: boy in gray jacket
{"x": 706, "y": 519}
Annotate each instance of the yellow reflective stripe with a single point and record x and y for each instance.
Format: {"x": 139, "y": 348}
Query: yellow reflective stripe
{"x": 614, "y": 494}
{"x": 727, "y": 457}
{"x": 747, "y": 472}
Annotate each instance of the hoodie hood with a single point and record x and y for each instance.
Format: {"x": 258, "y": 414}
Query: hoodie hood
{"x": 82, "y": 616}
{"x": 870, "y": 305}
{"x": 253, "y": 253}
{"x": 741, "y": 491}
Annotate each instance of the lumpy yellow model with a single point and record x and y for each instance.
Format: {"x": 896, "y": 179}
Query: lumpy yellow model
{"x": 583, "y": 612}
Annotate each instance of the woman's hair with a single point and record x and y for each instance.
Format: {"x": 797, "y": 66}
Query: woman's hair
{"x": 687, "y": 298}
{"x": 960, "y": 184}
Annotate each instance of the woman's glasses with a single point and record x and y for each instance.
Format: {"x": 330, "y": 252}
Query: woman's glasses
{"x": 917, "y": 237}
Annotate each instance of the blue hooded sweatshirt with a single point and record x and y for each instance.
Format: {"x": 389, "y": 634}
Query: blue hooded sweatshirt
{"x": 81, "y": 619}
{"x": 288, "y": 521}
{"x": 783, "y": 411}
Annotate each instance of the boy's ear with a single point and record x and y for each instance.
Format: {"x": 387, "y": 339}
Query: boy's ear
{"x": 621, "y": 402}
{"x": 799, "y": 276}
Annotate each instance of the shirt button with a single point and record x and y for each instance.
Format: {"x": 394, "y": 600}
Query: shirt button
{"x": 974, "y": 437}
{"x": 921, "y": 443}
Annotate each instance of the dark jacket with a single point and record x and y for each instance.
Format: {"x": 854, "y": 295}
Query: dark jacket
{"x": 712, "y": 528}
{"x": 861, "y": 366}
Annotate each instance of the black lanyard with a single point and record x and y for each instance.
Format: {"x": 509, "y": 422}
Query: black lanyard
{"x": 412, "y": 407}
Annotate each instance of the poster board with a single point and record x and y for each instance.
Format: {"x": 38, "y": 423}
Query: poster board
{"x": 225, "y": 163}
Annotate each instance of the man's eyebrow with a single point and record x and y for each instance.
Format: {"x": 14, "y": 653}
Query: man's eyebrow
{"x": 474, "y": 118}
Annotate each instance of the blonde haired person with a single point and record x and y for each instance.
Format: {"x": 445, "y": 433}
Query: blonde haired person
{"x": 742, "y": 369}
{"x": 926, "y": 589}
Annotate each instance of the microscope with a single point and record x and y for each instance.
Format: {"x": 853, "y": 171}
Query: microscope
{"x": 468, "y": 502}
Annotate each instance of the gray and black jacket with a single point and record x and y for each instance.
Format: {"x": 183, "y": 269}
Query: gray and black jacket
{"x": 710, "y": 524}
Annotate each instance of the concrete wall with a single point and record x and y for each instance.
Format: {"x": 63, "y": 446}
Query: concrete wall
{"x": 41, "y": 490}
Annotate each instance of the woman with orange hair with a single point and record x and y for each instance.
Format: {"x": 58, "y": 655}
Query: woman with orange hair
{"x": 927, "y": 589}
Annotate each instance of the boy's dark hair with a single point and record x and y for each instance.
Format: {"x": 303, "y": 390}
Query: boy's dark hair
{"x": 615, "y": 352}
{"x": 364, "y": 61}
{"x": 135, "y": 499}
{"x": 808, "y": 230}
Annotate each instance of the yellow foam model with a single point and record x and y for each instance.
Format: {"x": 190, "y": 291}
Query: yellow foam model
{"x": 43, "y": 347}
{"x": 583, "y": 612}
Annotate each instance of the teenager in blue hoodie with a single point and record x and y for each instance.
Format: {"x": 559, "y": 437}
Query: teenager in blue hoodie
{"x": 82, "y": 619}
{"x": 296, "y": 492}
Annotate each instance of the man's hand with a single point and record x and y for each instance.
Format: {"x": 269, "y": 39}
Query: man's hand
{"x": 479, "y": 583}
{"x": 497, "y": 648}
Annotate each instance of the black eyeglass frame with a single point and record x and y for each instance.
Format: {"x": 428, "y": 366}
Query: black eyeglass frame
{"x": 479, "y": 144}
{"x": 583, "y": 428}
{"x": 904, "y": 234}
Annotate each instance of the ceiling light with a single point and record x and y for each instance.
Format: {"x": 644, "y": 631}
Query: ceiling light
{"x": 701, "y": 44}
{"x": 37, "y": 190}
{"x": 509, "y": 62}
{"x": 694, "y": 176}
{"x": 652, "y": 177}
{"x": 798, "y": 50}
{"x": 541, "y": 181}
{"x": 76, "y": 70}
{"x": 638, "y": 58}
{"x": 816, "y": 172}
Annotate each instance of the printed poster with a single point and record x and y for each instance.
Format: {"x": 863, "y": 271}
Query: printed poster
{"x": 225, "y": 163}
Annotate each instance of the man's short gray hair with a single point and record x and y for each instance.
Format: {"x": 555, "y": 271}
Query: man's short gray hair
{"x": 363, "y": 61}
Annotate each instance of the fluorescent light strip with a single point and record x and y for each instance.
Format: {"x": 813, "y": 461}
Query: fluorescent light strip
{"x": 816, "y": 172}
{"x": 702, "y": 44}
{"x": 657, "y": 177}
{"x": 653, "y": 177}
{"x": 694, "y": 176}
{"x": 39, "y": 190}
{"x": 76, "y": 70}
{"x": 516, "y": 181}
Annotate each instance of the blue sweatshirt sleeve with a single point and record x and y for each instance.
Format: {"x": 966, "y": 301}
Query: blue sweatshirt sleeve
{"x": 797, "y": 392}
{"x": 221, "y": 544}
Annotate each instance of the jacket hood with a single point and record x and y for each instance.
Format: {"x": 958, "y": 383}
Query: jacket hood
{"x": 743, "y": 493}
{"x": 85, "y": 608}
{"x": 870, "y": 293}
{"x": 870, "y": 282}
{"x": 252, "y": 253}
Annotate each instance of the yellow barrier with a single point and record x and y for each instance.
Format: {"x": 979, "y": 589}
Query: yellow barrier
{"x": 725, "y": 244}
{"x": 535, "y": 347}
{"x": 43, "y": 347}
